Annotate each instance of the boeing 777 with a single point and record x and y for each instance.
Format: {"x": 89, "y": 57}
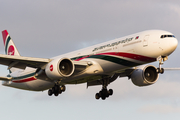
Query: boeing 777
{"x": 100, "y": 64}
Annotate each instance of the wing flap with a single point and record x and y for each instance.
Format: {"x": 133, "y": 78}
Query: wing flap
{"x": 22, "y": 62}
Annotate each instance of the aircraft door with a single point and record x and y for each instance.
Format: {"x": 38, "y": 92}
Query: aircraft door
{"x": 145, "y": 41}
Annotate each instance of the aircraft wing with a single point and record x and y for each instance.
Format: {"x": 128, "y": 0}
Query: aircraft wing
{"x": 169, "y": 69}
{"x": 22, "y": 62}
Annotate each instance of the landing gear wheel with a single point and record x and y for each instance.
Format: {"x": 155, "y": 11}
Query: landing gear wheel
{"x": 63, "y": 88}
{"x": 110, "y": 92}
{"x": 103, "y": 97}
{"x": 53, "y": 90}
{"x": 105, "y": 92}
{"x": 107, "y": 95}
{"x": 60, "y": 91}
{"x": 56, "y": 94}
{"x": 160, "y": 70}
{"x": 97, "y": 96}
{"x": 50, "y": 92}
{"x": 100, "y": 93}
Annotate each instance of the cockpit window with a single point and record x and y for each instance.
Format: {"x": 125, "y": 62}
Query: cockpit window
{"x": 164, "y": 36}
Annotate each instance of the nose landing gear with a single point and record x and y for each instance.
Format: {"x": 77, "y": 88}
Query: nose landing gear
{"x": 162, "y": 59}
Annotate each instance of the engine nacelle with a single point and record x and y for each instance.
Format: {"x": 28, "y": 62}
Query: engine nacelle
{"x": 59, "y": 68}
{"x": 145, "y": 75}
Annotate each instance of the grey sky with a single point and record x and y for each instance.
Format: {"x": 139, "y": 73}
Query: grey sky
{"x": 46, "y": 28}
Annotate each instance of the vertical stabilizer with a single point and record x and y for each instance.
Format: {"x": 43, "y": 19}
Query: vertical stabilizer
{"x": 10, "y": 48}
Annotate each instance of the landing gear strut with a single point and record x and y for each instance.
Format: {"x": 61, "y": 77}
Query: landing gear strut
{"x": 56, "y": 90}
{"x": 161, "y": 62}
{"x": 104, "y": 93}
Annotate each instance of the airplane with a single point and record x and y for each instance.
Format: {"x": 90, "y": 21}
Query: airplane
{"x": 100, "y": 64}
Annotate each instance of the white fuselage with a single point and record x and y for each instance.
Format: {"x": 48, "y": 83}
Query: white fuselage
{"x": 106, "y": 58}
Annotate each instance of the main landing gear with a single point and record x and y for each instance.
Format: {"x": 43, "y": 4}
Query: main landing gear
{"x": 104, "y": 93}
{"x": 56, "y": 90}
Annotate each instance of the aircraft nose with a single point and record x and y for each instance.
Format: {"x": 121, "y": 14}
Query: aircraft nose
{"x": 168, "y": 46}
{"x": 173, "y": 44}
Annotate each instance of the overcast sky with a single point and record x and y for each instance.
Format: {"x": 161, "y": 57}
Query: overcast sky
{"x": 46, "y": 28}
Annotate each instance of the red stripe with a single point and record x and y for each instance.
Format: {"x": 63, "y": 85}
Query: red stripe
{"x": 4, "y": 34}
{"x": 81, "y": 58}
{"x": 131, "y": 56}
{"x": 24, "y": 80}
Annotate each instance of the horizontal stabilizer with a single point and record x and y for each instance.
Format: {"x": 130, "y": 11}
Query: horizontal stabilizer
{"x": 6, "y": 78}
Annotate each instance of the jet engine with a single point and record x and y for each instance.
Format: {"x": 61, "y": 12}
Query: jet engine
{"x": 145, "y": 75}
{"x": 59, "y": 68}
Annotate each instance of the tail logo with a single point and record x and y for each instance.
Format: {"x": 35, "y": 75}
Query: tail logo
{"x": 11, "y": 50}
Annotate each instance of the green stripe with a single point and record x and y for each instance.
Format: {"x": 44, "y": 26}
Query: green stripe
{"x": 7, "y": 42}
{"x": 115, "y": 60}
{"x": 75, "y": 58}
{"x": 25, "y": 76}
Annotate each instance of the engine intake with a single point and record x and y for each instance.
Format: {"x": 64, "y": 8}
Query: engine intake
{"x": 66, "y": 67}
{"x": 145, "y": 75}
{"x": 59, "y": 68}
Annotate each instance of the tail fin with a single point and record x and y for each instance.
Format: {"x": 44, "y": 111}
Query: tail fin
{"x": 10, "y": 48}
